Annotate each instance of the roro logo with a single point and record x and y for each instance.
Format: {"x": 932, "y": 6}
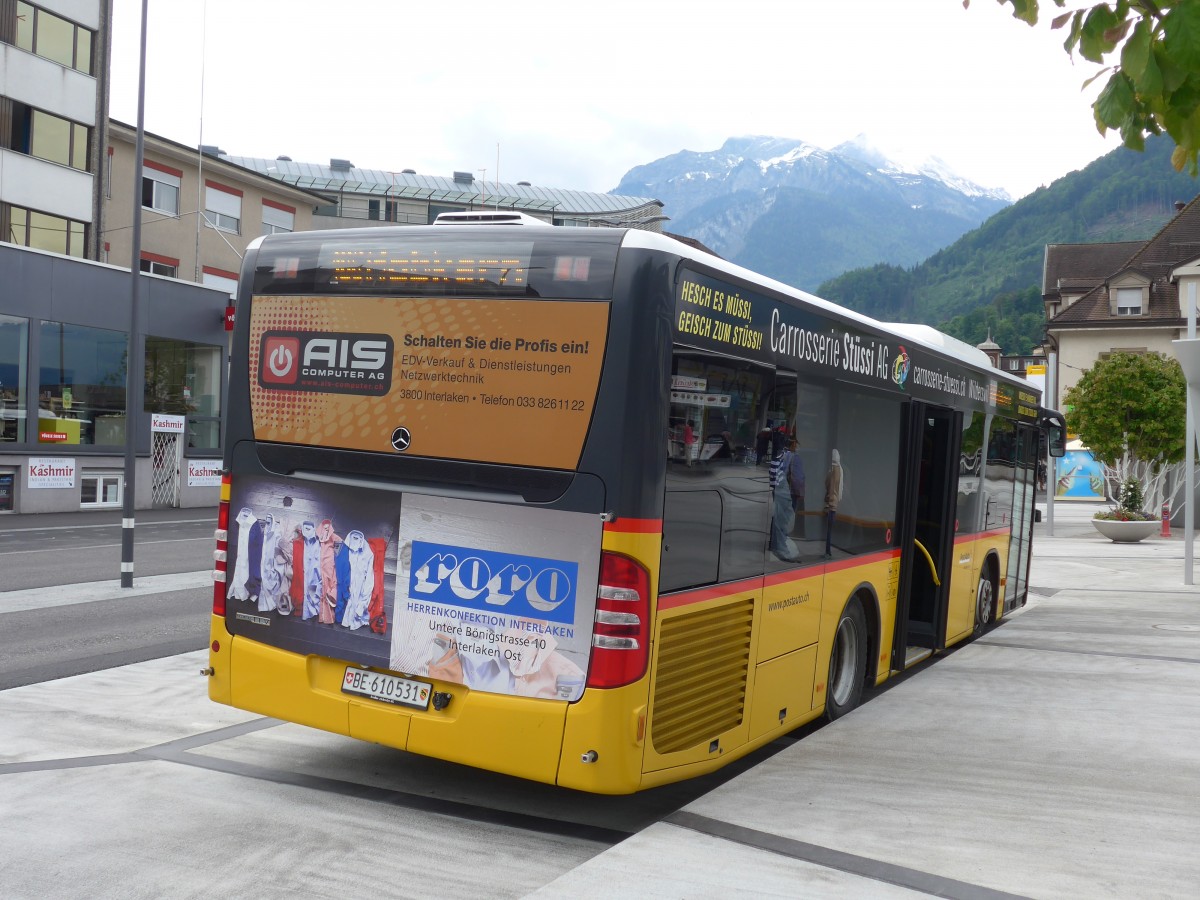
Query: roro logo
{"x": 326, "y": 362}
{"x": 508, "y": 583}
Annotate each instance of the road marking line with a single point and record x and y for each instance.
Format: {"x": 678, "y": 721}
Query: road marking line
{"x": 64, "y": 548}
{"x": 145, "y": 524}
{"x": 89, "y": 592}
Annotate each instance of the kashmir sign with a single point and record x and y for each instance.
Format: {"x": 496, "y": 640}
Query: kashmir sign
{"x": 51, "y": 472}
{"x": 167, "y": 424}
{"x": 204, "y": 473}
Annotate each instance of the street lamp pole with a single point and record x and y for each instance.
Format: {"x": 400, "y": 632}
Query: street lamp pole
{"x": 1187, "y": 351}
{"x": 134, "y": 365}
{"x": 1051, "y": 461}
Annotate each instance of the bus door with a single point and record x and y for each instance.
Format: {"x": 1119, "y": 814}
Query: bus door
{"x": 931, "y": 439}
{"x": 1024, "y": 484}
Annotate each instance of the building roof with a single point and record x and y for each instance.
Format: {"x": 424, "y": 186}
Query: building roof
{"x": 460, "y": 188}
{"x": 1074, "y": 268}
{"x": 1177, "y": 243}
{"x": 164, "y": 146}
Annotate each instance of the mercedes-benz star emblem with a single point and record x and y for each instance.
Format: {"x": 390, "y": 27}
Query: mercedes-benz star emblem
{"x": 401, "y": 438}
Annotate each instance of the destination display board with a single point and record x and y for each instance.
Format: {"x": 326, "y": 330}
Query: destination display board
{"x": 504, "y": 265}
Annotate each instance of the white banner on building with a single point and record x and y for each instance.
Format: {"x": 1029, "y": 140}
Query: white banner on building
{"x": 51, "y": 472}
{"x": 169, "y": 424}
{"x": 204, "y": 473}
{"x": 691, "y": 398}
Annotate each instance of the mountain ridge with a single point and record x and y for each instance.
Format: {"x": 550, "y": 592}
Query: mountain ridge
{"x": 747, "y": 198}
{"x": 905, "y": 241}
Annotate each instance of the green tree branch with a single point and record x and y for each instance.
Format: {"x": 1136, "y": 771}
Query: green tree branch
{"x": 1153, "y": 55}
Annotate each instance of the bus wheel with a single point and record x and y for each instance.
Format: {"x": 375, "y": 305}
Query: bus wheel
{"x": 847, "y": 661}
{"x": 985, "y": 599}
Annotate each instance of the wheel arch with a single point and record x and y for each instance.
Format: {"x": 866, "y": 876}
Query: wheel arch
{"x": 869, "y": 600}
{"x": 989, "y": 570}
{"x": 991, "y": 567}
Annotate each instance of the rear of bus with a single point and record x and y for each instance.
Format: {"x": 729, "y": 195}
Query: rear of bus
{"x": 438, "y": 524}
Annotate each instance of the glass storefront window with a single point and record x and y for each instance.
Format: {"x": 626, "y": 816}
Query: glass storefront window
{"x": 184, "y": 379}
{"x": 14, "y": 341}
{"x": 81, "y": 393}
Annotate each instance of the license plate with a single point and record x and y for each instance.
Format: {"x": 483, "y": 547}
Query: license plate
{"x": 388, "y": 688}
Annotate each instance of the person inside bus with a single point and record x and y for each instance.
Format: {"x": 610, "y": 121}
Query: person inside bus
{"x": 833, "y": 494}
{"x": 783, "y": 513}
{"x": 762, "y": 444}
{"x": 795, "y": 479}
{"x": 689, "y": 442}
{"x": 779, "y": 439}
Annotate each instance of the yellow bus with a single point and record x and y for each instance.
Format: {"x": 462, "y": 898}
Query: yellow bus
{"x": 592, "y": 507}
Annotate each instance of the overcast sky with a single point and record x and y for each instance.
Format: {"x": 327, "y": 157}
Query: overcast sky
{"x": 569, "y": 94}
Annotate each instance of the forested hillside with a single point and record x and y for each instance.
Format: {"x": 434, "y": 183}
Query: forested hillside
{"x": 990, "y": 278}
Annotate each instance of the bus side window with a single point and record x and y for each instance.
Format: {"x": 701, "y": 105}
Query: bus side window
{"x": 999, "y": 473}
{"x": 691, "y": 538}
{"x": 970, "y": 473}
{"x": 866, "y": 435}
{"x": 717, "y": 496}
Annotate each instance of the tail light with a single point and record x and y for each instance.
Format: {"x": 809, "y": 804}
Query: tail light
{"x": 221, "y": 554}
{"x": 621, "y": 638}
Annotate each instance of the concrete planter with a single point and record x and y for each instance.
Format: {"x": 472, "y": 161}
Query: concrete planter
{"x": 1126, "y": 532}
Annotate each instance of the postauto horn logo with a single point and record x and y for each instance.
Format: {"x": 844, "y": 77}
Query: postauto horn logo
{"x": 901, "y": 367}
{"x": 327, "y": 362}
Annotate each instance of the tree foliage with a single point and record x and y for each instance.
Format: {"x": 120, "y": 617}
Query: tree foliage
{"x": 1130, "y": 403}
{"x": 1016, "y": 320}
{"x": 1152, "y": 48}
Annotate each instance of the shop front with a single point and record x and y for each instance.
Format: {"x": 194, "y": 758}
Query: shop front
{"x": 64, "y": 326}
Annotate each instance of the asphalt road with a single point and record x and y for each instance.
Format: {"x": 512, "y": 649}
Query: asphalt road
{"x": 72, "y": 548}
{"x": 58, "y": 640}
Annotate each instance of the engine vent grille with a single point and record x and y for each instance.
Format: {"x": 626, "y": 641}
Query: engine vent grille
{"x": 700, "y": 689}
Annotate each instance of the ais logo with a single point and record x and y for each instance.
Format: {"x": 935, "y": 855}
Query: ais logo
{"x": 327, "y": 362}
{"x": 486, "y": 580}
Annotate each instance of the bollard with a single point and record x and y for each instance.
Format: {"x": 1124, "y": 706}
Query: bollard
{"x": 1166, "y": 520}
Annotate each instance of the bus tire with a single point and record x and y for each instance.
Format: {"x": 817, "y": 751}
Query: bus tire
{"x": 985, "y": 598}
{"x": 847, "y": 661}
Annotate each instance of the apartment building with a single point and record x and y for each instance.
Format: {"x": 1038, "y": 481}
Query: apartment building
{"x": 53, "y": 110}
{"x": 199, "y": 212}
{"x": 65, "y": 315}
{"x": 1125, "y": 296}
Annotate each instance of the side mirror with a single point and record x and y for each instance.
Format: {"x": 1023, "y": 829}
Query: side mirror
{"x": 1056, "y": 438}
{"x": 1054, "y": 424}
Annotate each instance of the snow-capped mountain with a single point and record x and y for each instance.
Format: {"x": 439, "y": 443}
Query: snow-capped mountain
{"x": 899, "y": 168}
{"x": 803, "y": 214}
